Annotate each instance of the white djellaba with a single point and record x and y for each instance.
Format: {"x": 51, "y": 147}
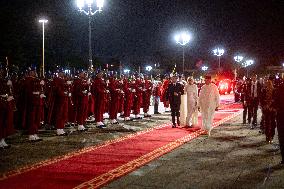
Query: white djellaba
{"x": 209, "y": 100}
{"x": 189, "y": 113}
{"x": 192, "y": 101}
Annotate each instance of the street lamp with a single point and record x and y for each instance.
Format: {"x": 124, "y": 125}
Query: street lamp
{"x": 182, "y": 39}
{"x": 204, "y": 68}
{"x": 149, "y": 68}
{"x": 126, "y": 71}
{"x": 219, "y": 52}
{"x": 43, "y": 22}
{"x": 81, "y": 4}
{"x": 238, "y": 59}
{"x": 247, "y": 63}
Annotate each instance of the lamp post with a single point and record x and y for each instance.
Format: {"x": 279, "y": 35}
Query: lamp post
{"x": 182, "y": 39}
{"x": 219, "y": 52}
{"x": 204, "y": 68}
{"x": 247, "y": 63}
{"x": 81, "y": 4}
{"x": 43, "y": 22}
{"x": 238, "y": 59}
{"x": 149, "y": 68}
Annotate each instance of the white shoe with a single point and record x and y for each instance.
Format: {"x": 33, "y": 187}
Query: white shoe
{"x": 4, "y": 143}
{"x": 137, "y": 116}
{"x": 81, "y": 128}
{"x": 99, "y": 123}
{"x": 127, "y": 119}
{"x": 36, "y": 137}
{"x": 1, "y": 145}
{"x": 91, "y": 119}
{"x": 113, "y": 121}
{"x": 32, "y": 137}
{"x": 60, "y": 132}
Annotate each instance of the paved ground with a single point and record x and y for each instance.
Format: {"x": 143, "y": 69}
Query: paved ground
{"x": 234, "y": 157}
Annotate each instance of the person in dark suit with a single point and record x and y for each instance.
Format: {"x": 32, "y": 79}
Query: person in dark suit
{"x": 245, "y": 98}
{"x": 254, "y": 93}
{"x": 175, "y": 90}
{"x": 279, "y": 105}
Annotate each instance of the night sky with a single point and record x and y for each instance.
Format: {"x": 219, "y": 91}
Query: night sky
{"x": 141, "y": 30}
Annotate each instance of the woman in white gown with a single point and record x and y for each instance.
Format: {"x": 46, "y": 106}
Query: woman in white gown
{"x": 189, "y": 111}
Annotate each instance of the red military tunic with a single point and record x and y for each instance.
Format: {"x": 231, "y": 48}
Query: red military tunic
{"x": 164, "y": 89}
{"x": 92, "y": 99}
{"x": 121, "y": 97}
{"x": 32, "y": 105}
{"x": 114, "y": 98}
{"x": 147, "y": 91}
{"x": 100, "y": 96}
{"x": 128, "y": 98}
{"x": 80, "y": 92}
{"x": 6, "y": 110}
{"x": 137, "y": 100}
{"x": 62, "y": 93}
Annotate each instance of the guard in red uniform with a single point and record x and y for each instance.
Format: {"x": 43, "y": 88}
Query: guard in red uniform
{"x": 91, "y": 107}
{"x": 121, "y": 98}
{"x": 164, "y": 90}
{"x": 81, "y": 95}
{"x": 128, "y": 101}
{"x": 137, "y": 100}
{"x": 32, "y": 105}
{"x": 114, "y": 99}
{"x": 62, "y": 93}
{"x": 100, "y": 95}
{"x": 147, "y": 92}
{"x": 6, "y": 110}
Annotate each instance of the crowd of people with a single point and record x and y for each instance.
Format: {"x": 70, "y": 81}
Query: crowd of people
{"x": 266, "y": 94}
{"x": 29, "y": 102}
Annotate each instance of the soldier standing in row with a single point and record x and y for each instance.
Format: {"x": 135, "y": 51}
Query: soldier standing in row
{"x": 81, "y": 96}
{"x": 6, "y": 110}
{"x": 100, "y": 92}
{"x": 147, "y": 92}
{"x": 61, "y": 93}
{"x": 33, "y": 99}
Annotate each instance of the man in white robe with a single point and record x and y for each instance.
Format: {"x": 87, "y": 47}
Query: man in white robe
{"x": 209, "y": 100}
{"x": 191, "y": 91}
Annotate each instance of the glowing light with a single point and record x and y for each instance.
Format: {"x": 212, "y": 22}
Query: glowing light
{"x": 149, "y": 68}
{"x": 80, "y": 4}
{"x": 100, "y": 4}
{"x": 218, "y": 51}
{"x": 248, "y": 63}
{"x": 126, "y": 70}
{"x": 43, "y": 21}
{"x": 89, "y": 2}
{"x": 204, "y": 68}
{"x": 238, "y": 58}
{"x": 89, "y": 11}
{"x": 182, "y": 38}
{"x": 67, "y": 71}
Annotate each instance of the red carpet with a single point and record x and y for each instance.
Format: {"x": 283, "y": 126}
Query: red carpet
{"x": 95, "y": 166}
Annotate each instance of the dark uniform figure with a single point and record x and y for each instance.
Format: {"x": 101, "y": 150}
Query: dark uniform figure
{"x": 175, "y": 90}
{"x": 279, "y": 105}
{"x": 254, "y": 93}
{"x": 268, "y": 110}
{"x": 245, "y": 98}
